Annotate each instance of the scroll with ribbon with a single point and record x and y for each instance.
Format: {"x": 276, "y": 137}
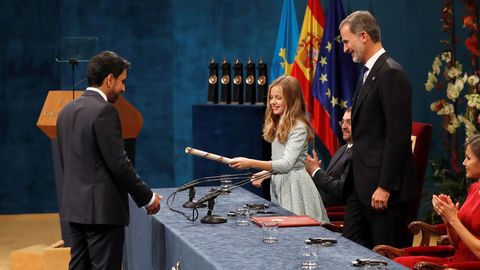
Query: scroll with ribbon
{"x": 238, "y": 82}
{"x": 262, "y": 82}
{"x": 213, "y": 82}
{"x": 200, "y": 153}
{"x": 251, "y": 95}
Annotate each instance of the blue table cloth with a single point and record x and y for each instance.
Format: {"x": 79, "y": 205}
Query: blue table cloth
{"x": 158, "y": 242}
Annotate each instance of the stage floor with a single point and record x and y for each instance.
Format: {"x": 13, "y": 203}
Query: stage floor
{"x": 19, "y": 231}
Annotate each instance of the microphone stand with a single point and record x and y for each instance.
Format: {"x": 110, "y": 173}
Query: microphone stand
{"x": 191, "y": 186}
{"x": 73, "y": 62}
{"x": 213, "y": 194}
{"x": 212, "y": 219}
{"x": 210, "y": 197}
{"x": 190, "y": 203}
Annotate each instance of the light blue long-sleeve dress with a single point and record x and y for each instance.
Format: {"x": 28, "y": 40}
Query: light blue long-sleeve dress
{"x": 292, "y": 188}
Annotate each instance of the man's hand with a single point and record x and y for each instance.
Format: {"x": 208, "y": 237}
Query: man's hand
{"x": 155, "y": 207}
{"x": 312, "y": 163}
{"x": 380, "y": 199}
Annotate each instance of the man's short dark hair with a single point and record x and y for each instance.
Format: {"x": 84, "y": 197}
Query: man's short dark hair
{"x": 360, "y": 21}
{"x": 104, "y": 64}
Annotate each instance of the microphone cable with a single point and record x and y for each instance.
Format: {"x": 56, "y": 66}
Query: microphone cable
{"x": 240, "y": 180}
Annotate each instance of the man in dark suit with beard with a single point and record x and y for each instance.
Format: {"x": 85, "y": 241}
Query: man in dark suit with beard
{"x": 381, "y": 130}
{"x": 97, "y": 174}
{"x": 330, "y": 183}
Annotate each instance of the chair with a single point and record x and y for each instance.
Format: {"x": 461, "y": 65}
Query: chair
{"x": 436, "y": 251}
{"x": 426, "y": 230}
{"x": 421, "y": 137}
{"x": 335, "y": 213}
{"x": 443, "y": 248}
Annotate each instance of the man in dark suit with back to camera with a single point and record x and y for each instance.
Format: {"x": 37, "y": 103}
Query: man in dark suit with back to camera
{"x": 97, "y": 174}
{"x": 381, "y": 129}
{"x": 330, "y": 183}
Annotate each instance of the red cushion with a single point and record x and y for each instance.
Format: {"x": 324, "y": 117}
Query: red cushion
{"x": 464, "y": 265}
{"x": 410, "y": 261}
{"x": 442, "y": 228}
{"x": 336, "y": 216}
{"x": 337, "y": 208}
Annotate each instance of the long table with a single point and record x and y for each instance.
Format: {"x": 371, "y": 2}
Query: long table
{"x": 160, "y": 241}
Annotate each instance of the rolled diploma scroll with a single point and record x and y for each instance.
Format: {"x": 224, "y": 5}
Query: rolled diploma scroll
{"x": 200, "y": 153}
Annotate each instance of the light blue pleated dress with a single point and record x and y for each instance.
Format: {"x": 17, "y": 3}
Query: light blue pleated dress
{"x": 292, "y": 188}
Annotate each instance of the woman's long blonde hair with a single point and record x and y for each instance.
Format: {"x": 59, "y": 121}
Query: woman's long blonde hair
{"x": 295, "y": 110}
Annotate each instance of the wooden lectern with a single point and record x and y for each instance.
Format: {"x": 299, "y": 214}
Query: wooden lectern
{"x": 130, "y": 118}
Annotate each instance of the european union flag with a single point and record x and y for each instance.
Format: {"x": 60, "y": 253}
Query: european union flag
{"x": 287, "y": 39}
{"x": 335, "y": 76}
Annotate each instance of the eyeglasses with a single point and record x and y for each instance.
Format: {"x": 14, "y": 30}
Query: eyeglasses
{"x": 348, "y": 122}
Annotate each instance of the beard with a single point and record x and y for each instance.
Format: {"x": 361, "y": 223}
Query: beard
{"x": 357, "y": 55}
{"x": 112, "y": 98}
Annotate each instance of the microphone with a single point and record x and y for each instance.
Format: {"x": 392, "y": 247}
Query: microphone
{"x": 210, "y": 195}
{"x": 242, "y": 179}
{"x": 192, "y": 184}
{"x": 186, "y": 186}
{"x": 215, "y": 192}
{"x": 195, "y": 182}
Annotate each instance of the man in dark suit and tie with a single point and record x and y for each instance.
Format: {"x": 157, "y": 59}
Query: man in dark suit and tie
{"x": 330, "y": 182}
{"x": 381, "y": 129}
{"x": 97, "y": 174}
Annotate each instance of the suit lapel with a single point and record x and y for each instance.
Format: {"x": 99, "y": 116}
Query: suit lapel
{"x": 363, "y": 92}
{"x": 336, "y": 157}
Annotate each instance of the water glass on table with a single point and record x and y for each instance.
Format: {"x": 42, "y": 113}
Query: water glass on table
{"x": 270, "y": 232}
{"x": 309, "y": 256}
{"x": 225, "y": 185}
{"x": 242, "y": 214}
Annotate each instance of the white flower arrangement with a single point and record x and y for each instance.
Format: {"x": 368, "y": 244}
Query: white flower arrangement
{"x": 456, "y": 81}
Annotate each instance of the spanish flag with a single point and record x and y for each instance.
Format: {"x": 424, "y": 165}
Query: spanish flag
{"x": 306, "y": 59}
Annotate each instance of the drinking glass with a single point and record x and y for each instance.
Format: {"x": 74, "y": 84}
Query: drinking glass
{"x": 242, "y": 214}
{"x": 270, "y": 232}
{"x": 309, "y": 255}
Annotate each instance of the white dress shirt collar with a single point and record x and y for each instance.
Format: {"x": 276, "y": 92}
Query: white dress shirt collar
{"x": 98, "y": 91}
{"x": 370, "y": 62}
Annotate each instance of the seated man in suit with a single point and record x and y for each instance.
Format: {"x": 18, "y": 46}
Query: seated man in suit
{"x": 330, "y": 182}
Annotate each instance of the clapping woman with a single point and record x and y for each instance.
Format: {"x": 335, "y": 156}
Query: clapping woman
{"x": 463, "y": 224}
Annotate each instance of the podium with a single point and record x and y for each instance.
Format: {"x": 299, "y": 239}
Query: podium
{"x": 130, "y": 117}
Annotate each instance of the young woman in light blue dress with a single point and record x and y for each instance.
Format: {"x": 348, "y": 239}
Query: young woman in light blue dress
{"x": 287, "y": 128}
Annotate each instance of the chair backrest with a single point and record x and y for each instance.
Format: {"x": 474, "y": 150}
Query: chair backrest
{"x": 421, "y": 137}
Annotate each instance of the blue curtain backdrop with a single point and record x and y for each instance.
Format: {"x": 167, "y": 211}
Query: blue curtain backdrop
{"x": 169, "y": 43}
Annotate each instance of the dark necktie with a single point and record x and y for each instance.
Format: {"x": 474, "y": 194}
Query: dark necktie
{"x": 363, "y": 70}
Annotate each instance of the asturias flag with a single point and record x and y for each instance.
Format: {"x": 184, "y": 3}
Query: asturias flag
{"x": 335, "y": 79}
{"x": 287, "y": 39}
{"x": 307, "y": 55}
